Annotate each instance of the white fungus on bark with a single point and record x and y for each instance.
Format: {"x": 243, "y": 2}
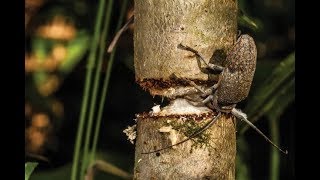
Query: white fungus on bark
{"x": 182, "y": 107}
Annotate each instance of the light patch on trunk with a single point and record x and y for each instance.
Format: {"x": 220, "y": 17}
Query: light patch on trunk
{"x": 173, "y": 134}
{"x": 165, "y": 129}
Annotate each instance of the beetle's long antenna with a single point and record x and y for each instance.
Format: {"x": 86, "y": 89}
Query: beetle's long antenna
{"x": 205, "y": 127}
{"x": 243, "y": 116}
{"x": 119, "y": 33}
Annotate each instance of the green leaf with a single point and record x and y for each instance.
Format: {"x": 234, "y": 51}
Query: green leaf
{"x": 106, "y": 167}
{"x": 28, "y": 169}
{"x": 76, "y": 49}
{"x": 249, "y": 22}
{"x": 62, "y": 172}
{"x": 279, "y": 101}
{"x": 274, "y": 165}
{"x": 279, "y": 82}
{"x": 245, "y": 20}
{"x": 278, "y": 104}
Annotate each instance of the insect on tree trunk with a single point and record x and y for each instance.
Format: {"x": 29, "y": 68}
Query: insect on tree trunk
{"x": 210, "y": 27}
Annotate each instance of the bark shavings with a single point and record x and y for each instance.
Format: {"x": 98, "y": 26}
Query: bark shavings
{"x": 196, "y": 117}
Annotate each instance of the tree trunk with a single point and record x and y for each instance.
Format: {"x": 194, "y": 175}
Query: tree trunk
{"x": 210, "y": 27}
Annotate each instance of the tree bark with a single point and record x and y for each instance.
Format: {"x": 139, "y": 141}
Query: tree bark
{"x": 210, "y": 27}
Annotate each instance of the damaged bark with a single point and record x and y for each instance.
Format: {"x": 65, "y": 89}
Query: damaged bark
{"x": 210, "y": 155}
{"x": 210, "y": 27}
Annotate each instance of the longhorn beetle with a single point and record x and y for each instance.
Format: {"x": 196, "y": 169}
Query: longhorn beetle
{"x": 233, "y": 86}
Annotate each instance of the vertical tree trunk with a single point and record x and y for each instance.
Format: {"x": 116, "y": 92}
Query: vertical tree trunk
{"x": 210, "y": 27}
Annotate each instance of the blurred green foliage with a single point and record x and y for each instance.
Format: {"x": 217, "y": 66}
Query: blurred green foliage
{"x": 274, "y": 87}
{"x": 118, "y": 160}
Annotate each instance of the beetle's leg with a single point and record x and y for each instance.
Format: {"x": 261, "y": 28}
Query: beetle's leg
{"x": 203, "y": 102}
{"x": 206, "y": 92}
{"x": 225, "y": 109}
{"x": 215, "y": 102}
{"x": 213, "y": 67}
{"x": 210, "y": 90}
{"x": 199, "y": 88}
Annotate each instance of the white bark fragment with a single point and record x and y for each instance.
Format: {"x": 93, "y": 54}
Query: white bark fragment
{"x": 156, "y": 109}
{"x": 131, "y": 133}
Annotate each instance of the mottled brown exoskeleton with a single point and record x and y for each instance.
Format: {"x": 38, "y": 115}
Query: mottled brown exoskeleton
{"x": 233, "y": 86}
{"x": 235, "y": 80}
